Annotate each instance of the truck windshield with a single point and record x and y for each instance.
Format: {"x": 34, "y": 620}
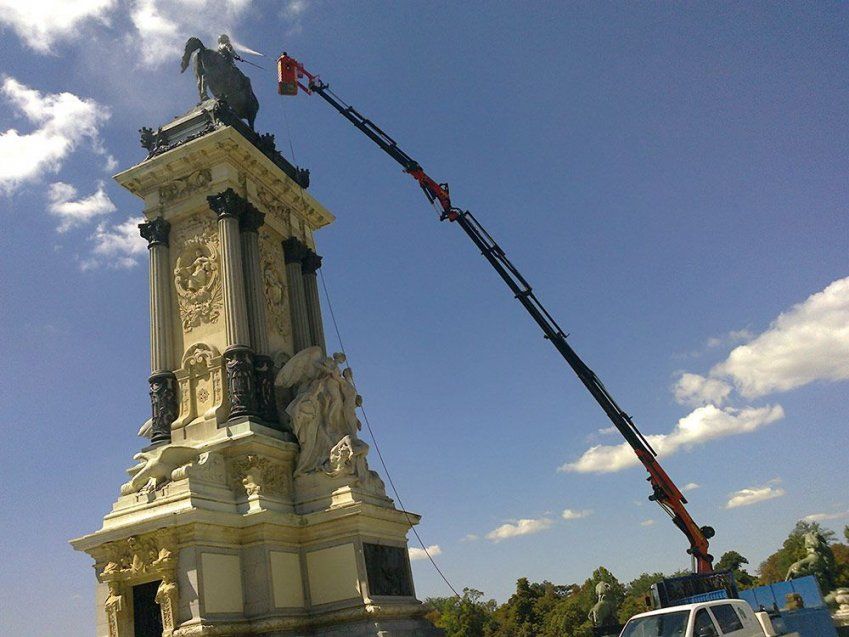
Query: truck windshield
{"x": 663, "y": 625}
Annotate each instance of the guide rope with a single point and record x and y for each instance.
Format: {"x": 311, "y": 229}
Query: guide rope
{"x": 361, "y": 407}
{"x": 377, "y": 446}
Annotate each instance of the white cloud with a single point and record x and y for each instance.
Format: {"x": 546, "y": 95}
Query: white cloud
{"x": 690, "y": 486}
{"x": 524, "y": 526}
{"x": 701, "y": 425}
{"x": 808, "y": 342}
{"x": 572, "y": 514}
{"x": 420, "y": 554}
{"x": 76, "y": 212}
{"x": 695, "y": 390}
{"x": 734, "y": 336}
{"x": 753, "y": 495}
{"x": 647, "y": 523}
{"x": 292, "y": 12}
{"x": 163, "y": 26}
{"x": 62, "y": 119}
{"x": 470, "y": 537}
{"x": 41, "y": 23}
{"x": 606, "y": 431}
{"x": 116, "y": 246}
{"x": 294, "y": 8}
{"x": 822, "y": 517}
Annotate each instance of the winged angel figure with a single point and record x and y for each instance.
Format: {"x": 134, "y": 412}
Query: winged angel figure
{"x": 324, "y": 418}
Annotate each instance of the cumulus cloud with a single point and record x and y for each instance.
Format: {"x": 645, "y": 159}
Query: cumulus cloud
{"x": 74, "y": 212}
{"x": 61, "y": 120}
{"x": 823, "y": 517}
{"x": 470, "y": 537}
{"x": 161, "y": 27}
{"x": 647, "y": 523}
{"x": 525, "y": 526}
{"x": 41, "y": 23}
{"x": 695, "y": 390}
{"x": 572, "y": 514}
{"x": 753, "y": 495}
{"x": 690, "y": 486}
{"x": 420, "y": 554}
{"x": 116, "y": 246}
{"x": 701, "y": 425}
{"x": 808, "y": 342}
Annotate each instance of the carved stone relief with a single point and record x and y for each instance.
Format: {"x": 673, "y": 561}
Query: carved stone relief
{"x": 274, "y": 283}
{"x": 134, "y": 560}
{"x": 254, "y": 475}
{"x": 208, "y": 467}
{"x": 273, "y": 206}
{"x": 200, "y": 379}
{"x": 183, "y": 186}
{"x": 114, "y": 605}
{"x": 197, "y": 274}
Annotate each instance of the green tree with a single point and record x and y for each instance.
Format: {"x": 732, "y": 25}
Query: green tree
{"x": 635, "y": 595}
{"x": 841, "y": 561}
{"x": 569, "y": 618}
{"x": 733, "y": 561}
{"x": 465, "y": 616}
{"x": 524, "y": 613}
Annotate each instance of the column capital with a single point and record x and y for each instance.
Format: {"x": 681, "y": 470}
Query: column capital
{"x": 251, "y": 218}
{"x": 227, "y": 204}
{"x": 310, "y": 263}
{"x": 294, "y": 250}
{"x": 155, "y": 231}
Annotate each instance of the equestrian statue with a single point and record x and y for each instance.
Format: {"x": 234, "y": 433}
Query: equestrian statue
{"x": 216, "y": 71}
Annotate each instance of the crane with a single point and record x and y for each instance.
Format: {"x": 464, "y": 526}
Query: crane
{"x": 290, "y": 76}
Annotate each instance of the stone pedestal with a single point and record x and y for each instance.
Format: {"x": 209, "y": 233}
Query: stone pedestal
{"x": 222, "y": 529}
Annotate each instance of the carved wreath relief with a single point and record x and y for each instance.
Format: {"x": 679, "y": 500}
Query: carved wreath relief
{"x": 197, "y": 275}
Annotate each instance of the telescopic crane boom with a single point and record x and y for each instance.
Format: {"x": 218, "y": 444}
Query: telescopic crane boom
{"x": 290, "y": 72}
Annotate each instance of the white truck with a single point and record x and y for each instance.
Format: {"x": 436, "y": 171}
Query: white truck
{"x": 719, "y": 618}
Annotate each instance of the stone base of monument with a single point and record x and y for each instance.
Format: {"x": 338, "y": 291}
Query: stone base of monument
{"x": 228, "y": 543}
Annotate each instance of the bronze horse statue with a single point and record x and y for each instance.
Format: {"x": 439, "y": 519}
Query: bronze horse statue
{"x": 215, "y": 70}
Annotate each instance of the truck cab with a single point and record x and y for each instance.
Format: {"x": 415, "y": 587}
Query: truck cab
{"x": 719, "y": 618}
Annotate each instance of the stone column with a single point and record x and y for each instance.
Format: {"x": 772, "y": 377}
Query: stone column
{"x": 257, "y": 323}
{"x": 163, "y": 384}
{"x": 238, "y": 355}
{"x": 294, "y": 253}
{"x": 309, "y": 266}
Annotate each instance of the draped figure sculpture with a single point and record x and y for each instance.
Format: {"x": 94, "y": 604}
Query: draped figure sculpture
{"x": 323, "y": 417}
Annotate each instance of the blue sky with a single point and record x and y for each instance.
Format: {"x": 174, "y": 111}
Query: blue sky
{"x": 671, "y": 178}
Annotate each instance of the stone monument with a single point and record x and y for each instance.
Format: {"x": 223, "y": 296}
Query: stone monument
{"x": 252, "y": 510}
